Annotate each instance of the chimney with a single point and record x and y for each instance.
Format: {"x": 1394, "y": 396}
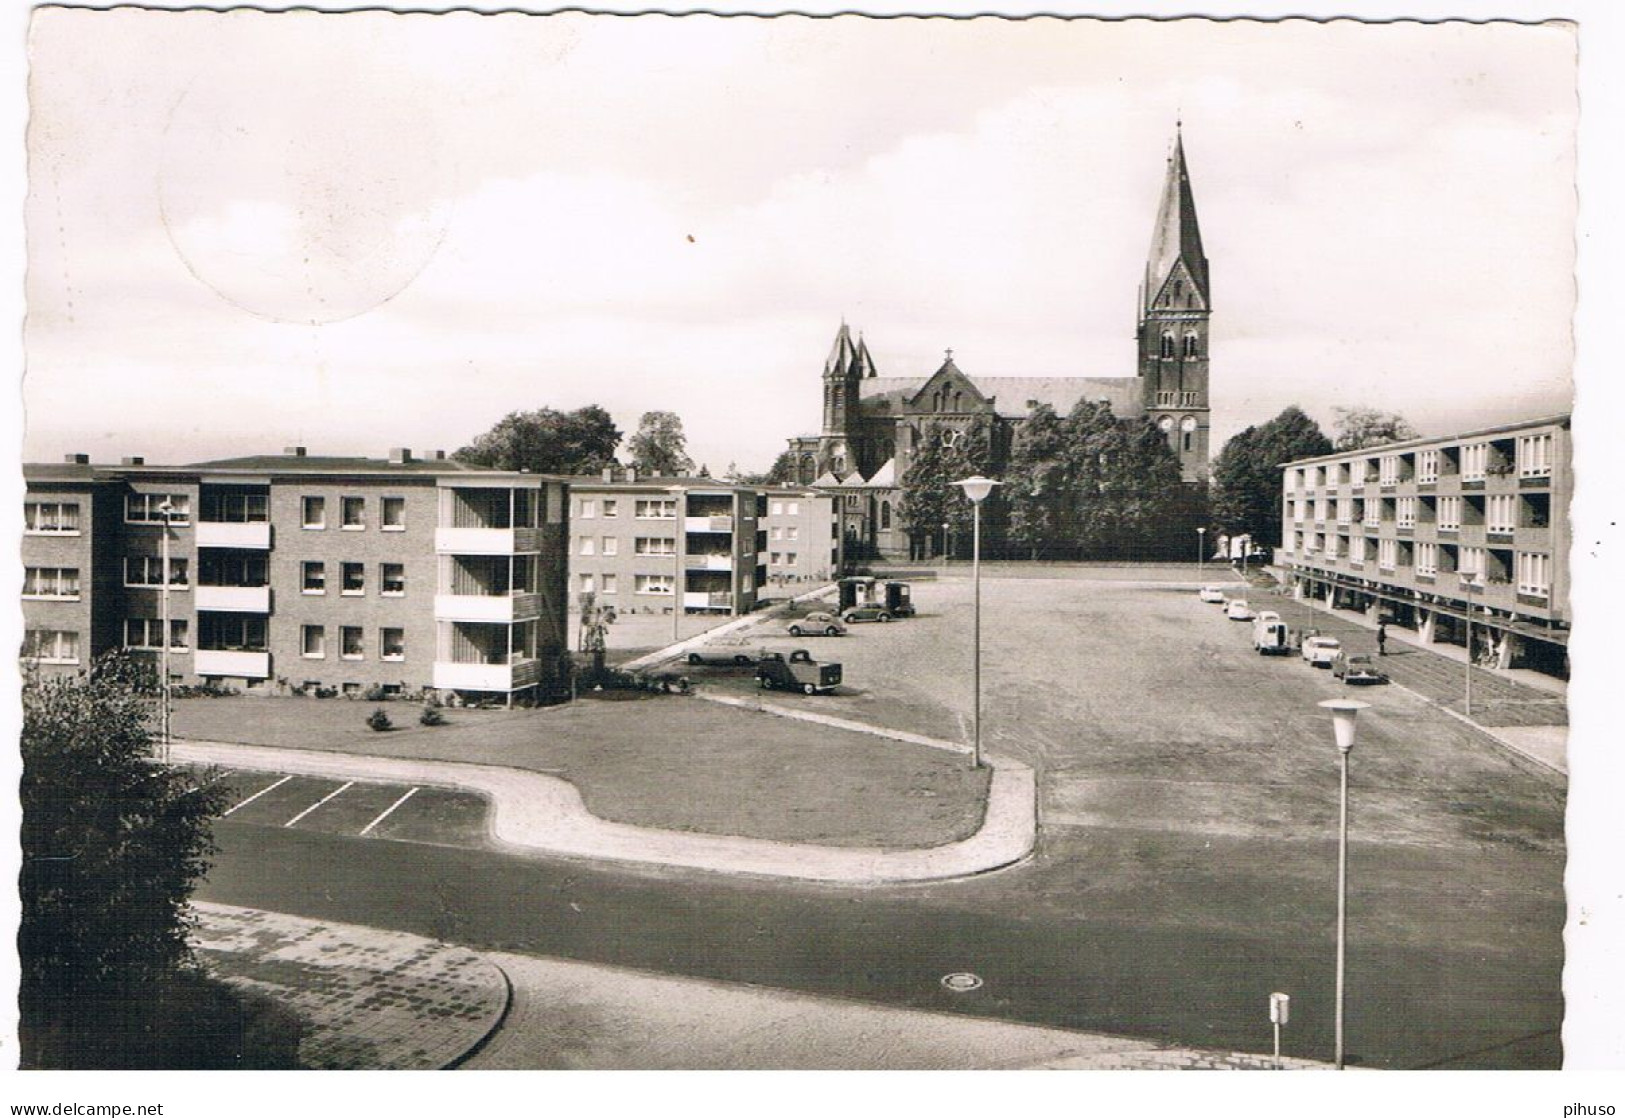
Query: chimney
{"x": 399, "y": 455}
{"x": 631, "y": 474}
{"x": 609, "y": 474}
{"x": 294, "y": 451}
{"x": 439, "y": 456}
{"x": 76, "y": 459}
{"x": 133, "y": 460}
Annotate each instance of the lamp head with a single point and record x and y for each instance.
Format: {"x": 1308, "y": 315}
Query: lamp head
{"x": 1344, "y": 712}
{"x": 977, "y": 488}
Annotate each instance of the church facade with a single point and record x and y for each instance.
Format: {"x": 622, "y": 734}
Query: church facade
{"x": 872, "y": 424}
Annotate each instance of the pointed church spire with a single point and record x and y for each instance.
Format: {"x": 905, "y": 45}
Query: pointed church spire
{"x": 841, "y": 353}
{"x": 1176, "y": 238}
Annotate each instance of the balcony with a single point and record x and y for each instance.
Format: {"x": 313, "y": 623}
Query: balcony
{"x": 708, "y": 562}
{"x": 240, "y": 665}
{"x": 452, "y": 675}
{"x": 486, "y": 541}
{"x": 234, "y": 599}
{"x": 255, "y": 535}
{"x": 702, "y": 599}
{"x": 500, "y": 608}
{"x": 708, "y": 524}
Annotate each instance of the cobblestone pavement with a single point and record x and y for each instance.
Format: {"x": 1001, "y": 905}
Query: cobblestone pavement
{"x": 369, "y": 999}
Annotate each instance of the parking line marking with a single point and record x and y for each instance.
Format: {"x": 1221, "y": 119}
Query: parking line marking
{"x": 319, "y": 803}
{"x": 258, "y": 794}
{"x": 388, "y": 811}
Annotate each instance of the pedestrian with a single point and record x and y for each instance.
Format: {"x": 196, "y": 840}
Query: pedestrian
{"x": 1382, "y": 638}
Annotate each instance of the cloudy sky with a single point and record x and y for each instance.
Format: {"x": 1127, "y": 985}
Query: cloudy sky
{"x": 357, "y": 230}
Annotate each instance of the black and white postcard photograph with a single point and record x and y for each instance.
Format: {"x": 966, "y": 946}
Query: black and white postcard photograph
{"x": 1047, "y": 542}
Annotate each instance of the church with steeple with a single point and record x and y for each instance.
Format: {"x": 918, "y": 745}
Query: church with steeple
{"x": 873, "y": 423}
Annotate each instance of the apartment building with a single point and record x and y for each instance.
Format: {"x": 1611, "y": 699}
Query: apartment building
{"x": 294, "y": 572}
{"x": 804, "y": 542}
{"x": 1425, "y": 531}
{"x": 658, "y": 544}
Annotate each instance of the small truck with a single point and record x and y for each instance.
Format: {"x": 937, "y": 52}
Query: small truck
{"x": 796, "y": 671}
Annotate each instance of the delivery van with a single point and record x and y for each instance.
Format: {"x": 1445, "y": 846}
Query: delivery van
{"x": 1270, "y": 638}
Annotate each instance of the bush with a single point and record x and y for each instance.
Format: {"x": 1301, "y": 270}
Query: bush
{"x": 376, "y": 694}
{"x": 378, "y": 720}
{"x": 431, "y": 716}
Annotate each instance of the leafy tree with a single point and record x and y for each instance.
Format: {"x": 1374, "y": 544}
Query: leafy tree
{"x": 1363, "y": 427}
{"x": 112, "y": 847}
{"x": 1038, "y": 484}
{"x": 1247, "y": 473}
{"x": 929, "y": 499}
{"x": 783, "y": 470}
{"x": 547, "y": 442}
{"x": 660, "y": 449}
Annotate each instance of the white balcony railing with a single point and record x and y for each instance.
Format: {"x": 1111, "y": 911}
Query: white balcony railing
{"x": 216, "y": 533}
{"x": 487, "y": 607}
{"x": 485, "y": 541}
{"x": 239, "y": 665}
{"x": 233, "y": 599}
{"x": 708, "y": 562}
{"x": 453, "y": 676}
{"x": 708, "y": 524}
{"x": 701, "y": 599}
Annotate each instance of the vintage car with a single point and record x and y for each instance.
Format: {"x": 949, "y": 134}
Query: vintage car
{"x": 1211, "y": 594}
{"x": 1320, "y": 652}
{"x": 796, "y": 671}
{"x": 723, "y": 651}
{"x": 1357, "y": 669}
{"x": 816, "y": 624}
{"x": 866, "y": 613}
{"x": 1237, "y": 609}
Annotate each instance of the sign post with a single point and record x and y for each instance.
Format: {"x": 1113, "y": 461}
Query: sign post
{"x": 1280, "y": 1011}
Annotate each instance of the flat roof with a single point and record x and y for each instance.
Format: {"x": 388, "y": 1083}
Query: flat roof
{"x": 1366, "y": 451}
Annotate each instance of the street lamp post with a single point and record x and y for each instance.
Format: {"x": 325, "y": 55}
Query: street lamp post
{"x": 944, "y": 541}
{"x": 165, "y": 510}
{"x": 976, "y": 488}
{"x": 1201, "y": 551}
{"x": 1469, "y": 583}
{"x": 1344, "y": 712}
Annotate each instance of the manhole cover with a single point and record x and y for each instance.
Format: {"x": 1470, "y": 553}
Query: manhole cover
{"x": 961, "y": 981}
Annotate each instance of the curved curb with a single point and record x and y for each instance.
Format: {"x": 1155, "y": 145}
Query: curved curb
{"x": 501, "y": 1019}
{"x": 536, "y": 814}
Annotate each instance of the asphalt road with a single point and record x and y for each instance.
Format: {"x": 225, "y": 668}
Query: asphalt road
{"x": 1186, "y": 865}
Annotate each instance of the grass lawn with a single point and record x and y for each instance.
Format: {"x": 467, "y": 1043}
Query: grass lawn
{"x": 654, "y": 760}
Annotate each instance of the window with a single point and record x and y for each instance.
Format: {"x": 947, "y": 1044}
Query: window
{"x": 46, "y": 518}
{"x": 1475, "y": 459}
{"x": 609, "y": 584}
{"x": 1387, "y": 554}
{"x": 773, "y": 558}
{"x": 1167, "y": 345}
{"x": 1449, "y": 514}
{"x": 654, "y": 584}
{"x": 353, "y": 578}
{"x": 231, "y": 632}
{"x": 1373, "y": 513}
{"x": 1345, "y": 509}
{"x": 147, "y": 508}
{"x": 1534, "y": 573}
{"x": 660, "y": 508}
{"x": 232, "y": 568}
{"x": 777, "y": 508}
{"x": 145, "y": 570}
{"x": 1190, "y": 345}
{"x": 1427, "y": 465}
{"x": 353, "y": 517}
{"x": 314, "y": 577}
{"x": 789, "y": 558}
{"x": 885, "y": 514}
{"x": 1472, "y": 564}
{"x": 654, "y": 545}
{"x": 610, "y": 509}
{"x": 394, "y": 514}
{"x": 392, "y": 579}
{"x": 147, "y": 632}
{"x": 392, "y": 644}
{"x": 51, "y": 582}
{"x": 793, "y": 508}
{"x": 588, "y": 545}
{"x": 1321, "y": 505}
{"x": 1406, "y": 513}
{"x": 235, "y": 506}
{"x": 313, "y": 642}
{"x": 586, "y": 584}
{"x": 1389, "y": 472}
{"x": 51, "y": 646}
{"x": 1501, "y": 516}
{"x": 777, "y": 533}
{"x": 589, "y": 508}
{"x": 1535, "y": 456}
{"x": 352, "y": 645}
{"x": 612, "y": 546}
{"x": 792, "y": 532}
{"x": 315, "y": 512}
{"x": 1427, "y": 559}
{"x": 1357, "y": 549}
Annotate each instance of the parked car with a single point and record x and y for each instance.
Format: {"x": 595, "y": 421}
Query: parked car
{"x": 1237, "y": 609}
{"x": 1319, "y": 652}
{"x": 1357, "y": 669}
{"x": 815, "y": 624}
{"x": 1210, "y": 594}
{"x": 1270, "y": 637}
{"x": 723, "y": 652}
{"x": 796, "y": 670}
{"x": 1267, "y": 615}
{"x": 866, "y": 613}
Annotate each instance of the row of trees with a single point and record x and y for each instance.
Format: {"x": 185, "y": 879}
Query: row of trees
{"x": 584, "y": 441}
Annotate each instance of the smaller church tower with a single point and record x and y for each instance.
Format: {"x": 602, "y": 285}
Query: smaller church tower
{"x": 1174, "y": 306}
{"x": 848, "y": 363}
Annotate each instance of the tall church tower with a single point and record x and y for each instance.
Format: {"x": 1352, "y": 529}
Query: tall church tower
{"x": 1175, "y": 303}
{"x": 846, "y": 365}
